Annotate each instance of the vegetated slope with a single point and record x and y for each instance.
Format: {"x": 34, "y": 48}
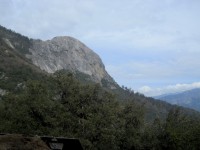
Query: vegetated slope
{"x": 100, "y": 116}
{"x": 15, "y": 40}
{"x": 93, "y": 115}
{"x": 15, "y": 68}
{"x": 154, "y": 108}
{"x": 190, "y": 99}
{"x": 61, "y": 53}
{"x": 20, "y": 57}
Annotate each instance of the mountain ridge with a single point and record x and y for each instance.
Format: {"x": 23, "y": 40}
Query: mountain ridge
{"x": 21, "y": 69}
{"x": 62, "y": 52}
{"x": 189, "y": 98}
{"x": 70, "y": 103}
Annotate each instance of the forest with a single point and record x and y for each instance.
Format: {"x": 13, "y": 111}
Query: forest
{"x": 60, "y": 105}
{"x": 70, "y": 105}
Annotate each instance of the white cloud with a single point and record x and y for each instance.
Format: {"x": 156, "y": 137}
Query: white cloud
{"x": 148, "y": 76}
{"x": 150, "y": 24}
{"x": 150, "y": 91}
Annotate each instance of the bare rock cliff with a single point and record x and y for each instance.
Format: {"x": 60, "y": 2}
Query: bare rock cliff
{"x": 67, "y": 53}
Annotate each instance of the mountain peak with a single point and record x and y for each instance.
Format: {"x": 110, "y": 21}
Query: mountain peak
{"x": 64, "y": 38}
{"x": 65, "y": 52}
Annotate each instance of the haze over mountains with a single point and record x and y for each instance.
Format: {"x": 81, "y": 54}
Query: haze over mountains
{"x": 190, "y": 98}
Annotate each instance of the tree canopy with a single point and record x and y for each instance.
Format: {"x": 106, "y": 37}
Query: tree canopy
{"x": 62, "y": 106}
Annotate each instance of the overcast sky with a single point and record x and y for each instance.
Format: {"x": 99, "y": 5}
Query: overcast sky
{"x": 151, "y": 46}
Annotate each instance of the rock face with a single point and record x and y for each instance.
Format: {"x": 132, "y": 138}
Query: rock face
{"x": 67, "y": 53}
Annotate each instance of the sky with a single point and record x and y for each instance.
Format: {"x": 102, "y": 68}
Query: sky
{"x": 150, "y": 46}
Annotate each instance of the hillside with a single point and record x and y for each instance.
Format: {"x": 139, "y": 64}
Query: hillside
{"x": 60, "y": 87}
{"x": 26, "y": 59}
{"x": 15, "y": 68}
{"x": 190, "y": 99}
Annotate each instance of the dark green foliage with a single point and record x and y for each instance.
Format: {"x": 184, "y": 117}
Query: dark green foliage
{"x": 65, "y": 107}
{"x": 31, "y": 112}
{"x": 20, "y": 42}
{"x": 71, "y": 109}
{"x": 61, "y": 105}
{"x": 133, "y": 123}
{"x": 15, "y": 70}
{"x": 84, "y": 78}
{"x": 179, "y": 132}
{"x": 182, "y": 131}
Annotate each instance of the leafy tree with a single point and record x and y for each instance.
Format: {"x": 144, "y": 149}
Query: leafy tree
{"x": 133, "y": 122}
{"x": 31, "y": 112}
{"x": 61, "y": 106}
{"x": 92, "y": 112}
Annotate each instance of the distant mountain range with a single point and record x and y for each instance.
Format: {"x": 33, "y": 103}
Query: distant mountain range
{"x": 190, "y": 98}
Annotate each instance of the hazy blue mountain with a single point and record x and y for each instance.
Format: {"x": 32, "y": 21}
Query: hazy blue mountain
{"x": 190, "y": 98}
